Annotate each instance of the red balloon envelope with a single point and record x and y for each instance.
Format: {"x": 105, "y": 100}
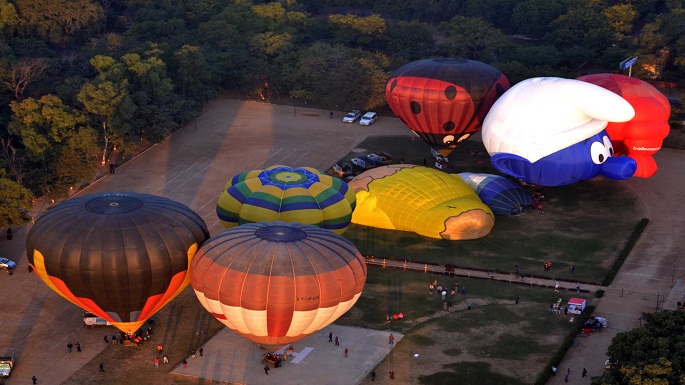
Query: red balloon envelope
{"x": 444, "y": 101}
{"x": 277, "y": 282}
{"x": 642, "y": 136}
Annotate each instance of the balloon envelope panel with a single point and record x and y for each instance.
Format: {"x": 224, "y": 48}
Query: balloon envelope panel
{"x": 303, "y": 195}
{"x": 502, "y": 195}
{"x": 121, "y": 256}
{"x": 444, "y": 101}
{"x": 641, "y": 137}
{"x": 277, "y": 282}
{"x": 420, "y": 199}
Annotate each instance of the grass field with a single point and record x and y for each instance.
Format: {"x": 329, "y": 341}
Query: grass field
{"x": 497, "y": 342}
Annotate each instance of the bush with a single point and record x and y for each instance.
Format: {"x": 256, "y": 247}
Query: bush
{"x": 599, "y": 293}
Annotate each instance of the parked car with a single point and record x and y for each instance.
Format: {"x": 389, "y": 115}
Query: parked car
{"x": 596, "y": 323}
{"x": 368, "y": 118}
{"x": 7, "y": 264}
{"x": 352, "y": 116}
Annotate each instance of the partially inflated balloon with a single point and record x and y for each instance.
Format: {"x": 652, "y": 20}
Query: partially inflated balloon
{"x": 420, "y": 199}
{"x": 502, "y": 195}
{"x": 640, "y": 137}
{"x": 120, "y": 256}
{"x": 303, "y": 195}
{"x": 444, "y": 101}
{"x": 277, "y": 282}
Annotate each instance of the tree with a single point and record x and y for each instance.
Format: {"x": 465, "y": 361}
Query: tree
{"x": 653, "y": 354}
{"x": 410, "y": 40}
{"x": 532, "y": 17}
{"x": 473, "y": 38}
{"x": 621, "y": 18}
{"x": 59, "y": 20}
{"x": 16, "y": 75}
{"x": 8, "y": 18}
{"x": 108, "y": 101}
{"x": 584, "y": 25}
{"x": 58, "y": 145}
{"x": 15, "y": 202}
{"x": 355, "y": 30}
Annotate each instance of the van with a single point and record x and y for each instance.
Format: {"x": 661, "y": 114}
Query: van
{"x": 368, "y": 118}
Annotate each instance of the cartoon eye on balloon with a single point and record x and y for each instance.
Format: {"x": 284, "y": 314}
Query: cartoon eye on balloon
{"x": 276, "y": 282}
{"x": 120, "y": 256}
{"x": 444, "y": 101}
{"x": 642, "y": 136}
{"x": 305, "y": 195}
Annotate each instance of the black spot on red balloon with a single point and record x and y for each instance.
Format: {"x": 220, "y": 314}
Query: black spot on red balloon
{"x": 415, "y": 107}
{"x": 499, "y": 89}
{"x": 448, "y": 126}
{"x": 393, "y": 84}
{"x": 451, "y": 92}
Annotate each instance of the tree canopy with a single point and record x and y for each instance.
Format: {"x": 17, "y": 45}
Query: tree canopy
{"x": 653, "y": 354}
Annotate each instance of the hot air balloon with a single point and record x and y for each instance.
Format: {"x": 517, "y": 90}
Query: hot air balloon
{"x": 426, "y": 201}
{"x": 504, "y": 196}
{"x": 120, "y": 256}
{"x": 444, "y": 101}
{"x": 303, "y": 195}
{"x": 642, "y": 136}
{"x": 550, "y": 132}
{"x": 277, "y": 282}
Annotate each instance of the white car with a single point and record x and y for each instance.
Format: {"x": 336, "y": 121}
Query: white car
{"x": 7, "y": 264}
{"x": 352, "y": 116}
{"x": 368, "y": 118}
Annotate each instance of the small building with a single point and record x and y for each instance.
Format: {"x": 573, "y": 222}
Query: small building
{"x": 576, "y": 305}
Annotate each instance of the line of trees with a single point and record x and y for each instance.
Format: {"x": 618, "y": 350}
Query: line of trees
{"x": 83, "y": 81}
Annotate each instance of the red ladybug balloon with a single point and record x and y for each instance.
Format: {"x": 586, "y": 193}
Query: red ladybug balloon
{"x": 444, "y": 101}
{"x": 642, "y": 136}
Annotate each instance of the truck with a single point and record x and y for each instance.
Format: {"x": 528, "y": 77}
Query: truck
{"x": 90, "y": 319}
{"x": 6, "y": 364}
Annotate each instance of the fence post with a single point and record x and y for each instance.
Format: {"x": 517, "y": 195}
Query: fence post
{"x": 384, "y": 263}
{"x": 425, "y": 267}
{"x": 405, "y": 264}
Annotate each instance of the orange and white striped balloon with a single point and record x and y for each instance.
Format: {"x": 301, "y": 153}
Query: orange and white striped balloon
{"x": 277, "y": 282}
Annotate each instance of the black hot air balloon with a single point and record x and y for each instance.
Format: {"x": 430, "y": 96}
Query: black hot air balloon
{"x": 120, "y": 256}
{"x": 444, "y": 101}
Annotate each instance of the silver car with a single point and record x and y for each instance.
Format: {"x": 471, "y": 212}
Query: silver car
{"x": 7, "y": 264}
{"x": 368, "y": 118}
{"x": 352, "y": 116}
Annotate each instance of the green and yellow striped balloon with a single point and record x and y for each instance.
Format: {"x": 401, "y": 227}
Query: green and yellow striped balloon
{"x": 280, "y": 193}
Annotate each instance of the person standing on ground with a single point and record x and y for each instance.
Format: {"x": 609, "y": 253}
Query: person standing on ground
{"x": 392, "y": 374}
{"x": 573, "y": 269}
{"x": 78, "y": 347}
{"x": 330, "y": 337}
{"x": 391, "y": 339}
{"x": 114, "y": 339}
{"x": 69, "y": 346}
{"x": 156, "y": 362}
{"x": 345, "y": 352}
{"x": 160, "y": 349}
{"x": 201, "y": 350}
{"x": 577, "y": 290}
{"x": 165, "y": 359}
{"x": 192, "y": 353}
{"x": 185, "y": 363}
{"x": 291, "y": 349}
{"x": 566, "y": 378}
{"x": 584, "y": 372}
{"x": 102, "y": 367}
{"x": 516, "y": 299}
{"x": 106, "y": 340}
{"x": 373, "y": 375}
{"x": 556, "y": 287}
{"x": 34, "y": 379}
{"x": 337, "y": 341}
{"x": 266, "y": 369}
